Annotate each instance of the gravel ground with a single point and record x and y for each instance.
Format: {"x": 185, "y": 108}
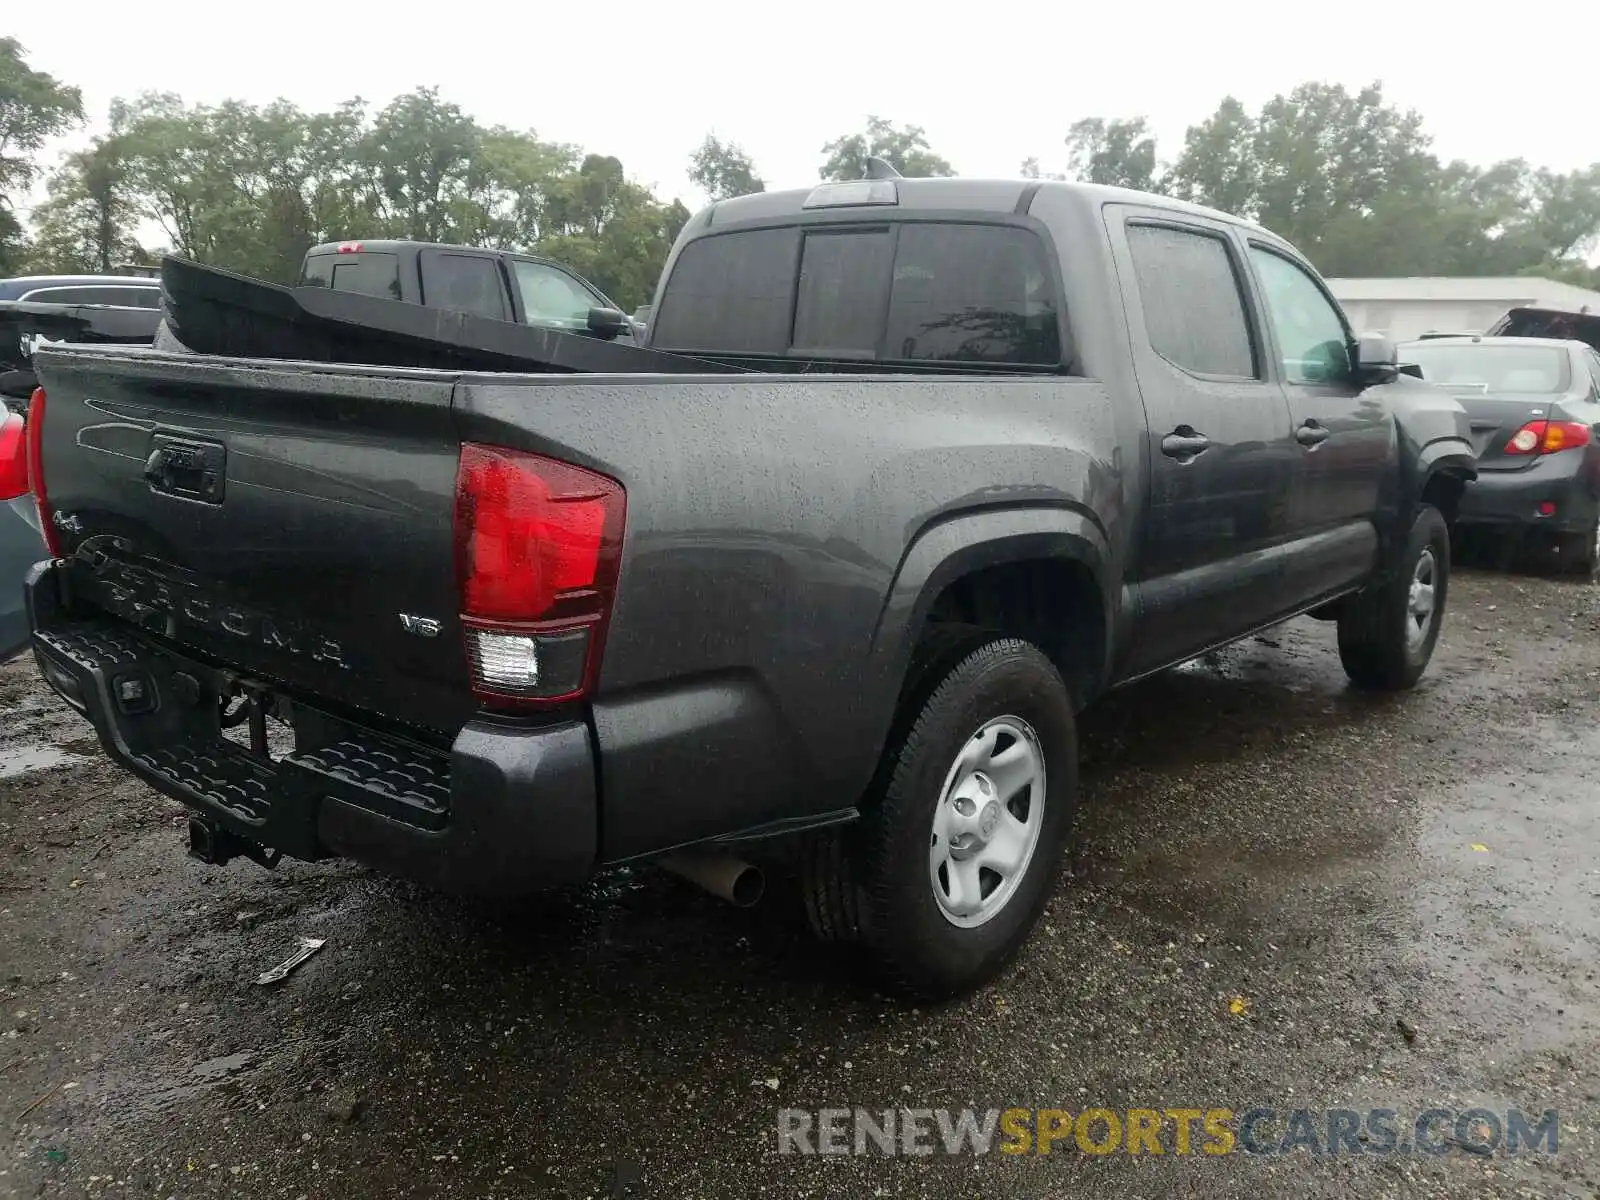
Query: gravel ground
{"x": 1286, "y": 894}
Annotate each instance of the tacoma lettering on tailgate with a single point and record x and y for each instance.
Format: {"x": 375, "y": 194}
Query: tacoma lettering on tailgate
{"x": 158, "y": 602}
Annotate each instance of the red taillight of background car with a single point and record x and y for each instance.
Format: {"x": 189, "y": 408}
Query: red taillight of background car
{"x": 538, "y": 545}
{"x": 13, "y": 457}
{"x": 1548, "y": 437}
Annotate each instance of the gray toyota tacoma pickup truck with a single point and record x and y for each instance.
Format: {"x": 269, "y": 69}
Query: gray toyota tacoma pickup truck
{"x": 972, "y": 453}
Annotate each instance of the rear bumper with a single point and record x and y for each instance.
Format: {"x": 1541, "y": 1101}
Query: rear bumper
{"x": 507, "y": 810}
{"x": 1567, "y": 480}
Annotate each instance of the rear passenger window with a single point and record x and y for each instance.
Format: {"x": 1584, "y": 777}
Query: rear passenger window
{"x": 1194, "y": 312}
{"x": 466, "y": 283}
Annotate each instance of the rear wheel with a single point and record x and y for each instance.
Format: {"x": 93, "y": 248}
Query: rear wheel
{"x": 1387, "y": 633}
{"x": 956, "y": 854}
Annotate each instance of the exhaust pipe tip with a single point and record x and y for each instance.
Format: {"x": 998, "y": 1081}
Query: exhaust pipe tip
{"x": 748, "y": 886}
{"x": 732, "y": 879}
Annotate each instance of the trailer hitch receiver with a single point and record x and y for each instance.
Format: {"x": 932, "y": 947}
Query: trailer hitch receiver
{"x": 216, "y": 846}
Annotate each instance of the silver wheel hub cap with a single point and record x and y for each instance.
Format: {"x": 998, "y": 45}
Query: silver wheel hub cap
{"x": 986, "y": 825}
{"x": 1420, "y": 605}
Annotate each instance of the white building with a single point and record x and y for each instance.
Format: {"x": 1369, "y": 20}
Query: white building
{"x": 1408, "y": 308}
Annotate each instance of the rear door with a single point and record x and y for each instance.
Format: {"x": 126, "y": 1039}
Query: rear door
{"x": 1219, "y": 450}
{"x": 1344, "y": 436}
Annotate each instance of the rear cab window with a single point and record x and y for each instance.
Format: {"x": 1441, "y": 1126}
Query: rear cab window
{"x": 896, "y": 291}
{"x": 365, "y": 272}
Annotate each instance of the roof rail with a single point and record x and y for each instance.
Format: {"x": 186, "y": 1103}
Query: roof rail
{"x": 878, "y": 168}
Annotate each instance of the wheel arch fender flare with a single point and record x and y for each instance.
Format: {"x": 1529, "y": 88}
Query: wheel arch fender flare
{"x": 958, "y": 545}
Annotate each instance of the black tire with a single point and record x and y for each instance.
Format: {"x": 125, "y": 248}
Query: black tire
{"x": 871, "y": 884}
{"x": 1375, "y": 644}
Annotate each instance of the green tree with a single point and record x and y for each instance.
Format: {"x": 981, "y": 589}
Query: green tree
{"x": 34, "y": 107}
{"x": 1323, "y": 155}
{"x": 86, "y": 223}
{"x": 611, "y": 230}
{"x": 723, "y": 170}
{"x": 905, "y": 149}
{"x": 1118, "y": 152}
{"x": 1353, "y": 181}
{"x": 250, "y": 187}
{"x": 422, "y": 152}
{"x": 1218, "y": 166}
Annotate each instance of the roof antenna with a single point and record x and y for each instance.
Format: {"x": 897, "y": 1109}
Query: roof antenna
{"x": 877, "y": 168}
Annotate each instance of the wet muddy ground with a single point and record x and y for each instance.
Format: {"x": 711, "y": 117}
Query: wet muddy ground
{"x": 1287, "y": 895}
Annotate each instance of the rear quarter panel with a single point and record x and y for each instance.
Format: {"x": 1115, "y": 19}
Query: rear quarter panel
{"x": 751, "y": 670}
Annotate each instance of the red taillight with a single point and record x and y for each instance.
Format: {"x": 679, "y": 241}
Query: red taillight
{"x": 13, "y": 457}
{"x": 537, "y": 549}
{"x": 349, "y": 248}
{"x": 41, "y": 501}
{"x": 1547, "y": 437}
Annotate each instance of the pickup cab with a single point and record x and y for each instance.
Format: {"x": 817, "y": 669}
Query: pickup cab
{"x": 974, "y": 453}
{"x": 496, "y": 284}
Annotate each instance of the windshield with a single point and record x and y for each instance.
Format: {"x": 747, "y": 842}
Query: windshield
{"x": 1522, "y": 370}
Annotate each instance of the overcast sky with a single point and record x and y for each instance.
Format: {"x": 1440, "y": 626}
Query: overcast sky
{"x": 991, "y": 83}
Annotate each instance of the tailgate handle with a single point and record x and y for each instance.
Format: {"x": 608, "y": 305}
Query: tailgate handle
{"x": 187, "y": 469}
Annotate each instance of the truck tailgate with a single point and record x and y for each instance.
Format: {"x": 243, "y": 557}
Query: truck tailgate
{"x": 292, "y": 521}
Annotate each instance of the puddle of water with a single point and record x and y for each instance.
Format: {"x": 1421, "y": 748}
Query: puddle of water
{"x": 35, "y": 758}
{"x": 219, "y": 1068}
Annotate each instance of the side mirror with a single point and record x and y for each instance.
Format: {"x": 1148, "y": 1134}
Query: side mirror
{"x": 606, "y": 323}
{"x": 1377, "y": 359}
